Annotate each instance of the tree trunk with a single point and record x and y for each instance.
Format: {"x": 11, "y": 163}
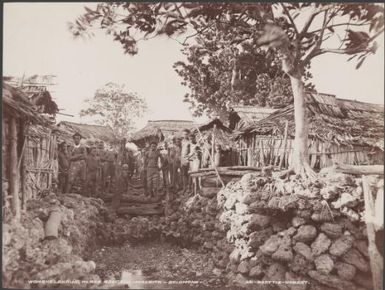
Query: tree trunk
{"x": 300, "y": 157}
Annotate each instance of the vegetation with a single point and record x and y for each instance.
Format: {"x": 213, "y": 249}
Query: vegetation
{"x": 116, "y": 107}
{"x": 294, "y": 32}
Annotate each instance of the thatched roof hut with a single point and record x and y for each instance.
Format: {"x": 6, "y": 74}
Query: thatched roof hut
{"x": 28, "y": 149}
{"x": 339, "y": 130}
{"x": 158, "y": 130}
{"x": 93, "y": 132}
{"x": 241, "y": 117}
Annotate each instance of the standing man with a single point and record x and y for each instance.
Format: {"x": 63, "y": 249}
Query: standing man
{"x": 195, "y": 161}
{"x": 102, "y": 154}
{"x": 185, "y": 152}
{"x": 218, "y": 156}
{"x": 164, "y": 153}
{"x": 206, "y": 151}
{"x": 77, "y": 167}
{"x": 64, "y": 165}
{"x": 110, "y": 166}
{"x": 93, "y": 169}
{"x": 175, "y": 164}
{"x": 152, "y": 163}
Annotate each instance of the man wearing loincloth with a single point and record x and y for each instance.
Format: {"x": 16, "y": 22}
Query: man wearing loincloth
{"x": 77, "y": 169}
{"x": 152, "y": 163}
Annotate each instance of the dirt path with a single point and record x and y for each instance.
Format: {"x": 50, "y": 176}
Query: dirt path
{"x": 160, "y": 265}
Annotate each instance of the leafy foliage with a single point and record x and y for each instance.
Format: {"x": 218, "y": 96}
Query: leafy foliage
{"x": 208, "y": 74}
{"x": 360, "y": 23}
{"x": 116, "y": 108}
{"x": 294, "y": 32}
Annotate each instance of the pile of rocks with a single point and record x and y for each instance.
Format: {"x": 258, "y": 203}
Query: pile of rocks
{"x": 28, "y": 256}
{"x": 297, "y": 230}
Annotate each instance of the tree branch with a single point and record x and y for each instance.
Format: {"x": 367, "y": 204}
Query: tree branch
{"x": 342, "y": 24}
{"x": 311, "y": 18}
{"x": 317, "y": 44}
{"x": 290, "y": 18}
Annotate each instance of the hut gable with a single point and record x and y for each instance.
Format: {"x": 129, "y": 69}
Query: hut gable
{"x": 171, "y": 126}
{"x": 246, "y": 116}
{"x": 98, "y": 132}
{"x": 158, "y": 130}
{"x": 210, "y": 125}
{"x": 215, "y": 128}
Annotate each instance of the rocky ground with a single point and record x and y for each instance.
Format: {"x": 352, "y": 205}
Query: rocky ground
{"x": 257, "y": 230}
{"x": 157, "y": 262}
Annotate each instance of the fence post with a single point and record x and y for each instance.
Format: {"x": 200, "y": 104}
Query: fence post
{"x": 376, "y": 260}
{"x": 14, "y": 174}
{"x": 284, "y": 144}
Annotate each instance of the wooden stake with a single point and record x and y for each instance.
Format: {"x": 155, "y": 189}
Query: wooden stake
{"x": 376, "y": 260}
{"x": 14, "y": 174}
{"x": 285, "y": 144}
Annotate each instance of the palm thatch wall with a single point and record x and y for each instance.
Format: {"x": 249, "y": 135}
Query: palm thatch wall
{"x": 340, "y": 130}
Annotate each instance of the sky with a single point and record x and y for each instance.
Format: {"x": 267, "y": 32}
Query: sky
{"x": 37, "y": 41}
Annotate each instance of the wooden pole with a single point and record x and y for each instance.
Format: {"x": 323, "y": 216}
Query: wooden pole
{"x": 14, "y": 174}
{"x": 358, "y": 169}
{"x": 213, "y": 141}
{"x": 376, "y": 260}
{"x": 284, "y": 144}
{"x": 21, "y": 167}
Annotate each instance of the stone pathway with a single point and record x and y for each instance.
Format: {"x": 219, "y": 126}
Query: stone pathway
{"x": 160, "y": 265}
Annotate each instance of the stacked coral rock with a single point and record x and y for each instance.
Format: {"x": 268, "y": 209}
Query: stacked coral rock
{"x": 295, "y": 230}
{"x": 29, "y": 259}
{"x": 194, "y": 221}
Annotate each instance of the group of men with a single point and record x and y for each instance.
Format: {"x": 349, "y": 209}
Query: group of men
{"x": 173, "y": 161}
{"x": 91, "y": 169}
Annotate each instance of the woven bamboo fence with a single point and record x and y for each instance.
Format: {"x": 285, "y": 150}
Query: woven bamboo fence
{"x": 263, "y": 151}
{"x": 40, "y": 162}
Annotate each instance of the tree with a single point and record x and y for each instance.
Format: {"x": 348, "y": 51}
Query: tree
{"x": 296, "y": 32}
{"x": 117, "y": 108}
{"x": 220, "y": 77}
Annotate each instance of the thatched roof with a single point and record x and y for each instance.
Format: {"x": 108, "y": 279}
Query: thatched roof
{"x": 17, "y": 102}
{"x": 35, "y": 89}
{"x": 331, "y": 119}
{"x": 249, "y": 115}
{"x": 87, "y": 131}
{"x": 222, "y": 133}
{"x": 210, "y": 125}
{"x": 158, "y": 129}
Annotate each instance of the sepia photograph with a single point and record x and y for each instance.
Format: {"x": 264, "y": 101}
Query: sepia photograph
{"x": 193, "y": 145}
